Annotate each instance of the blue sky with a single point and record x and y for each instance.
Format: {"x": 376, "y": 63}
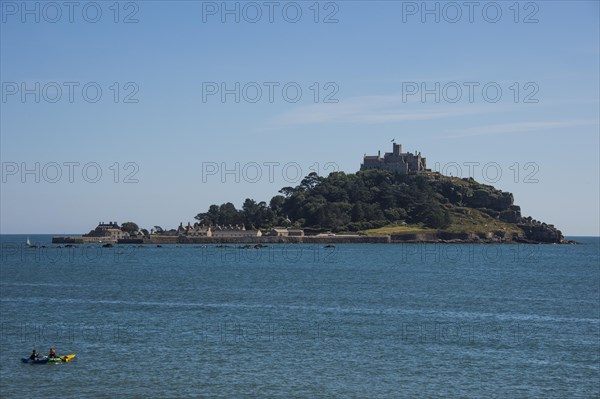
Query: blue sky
{"x": 378, "y": 71}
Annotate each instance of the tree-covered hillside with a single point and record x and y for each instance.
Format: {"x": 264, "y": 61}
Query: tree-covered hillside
{"x": 375, "y": 198}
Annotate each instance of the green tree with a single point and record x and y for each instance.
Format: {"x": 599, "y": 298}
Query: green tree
{"x": 287, "y": 191}
{"x": 211, "y": 217}
{"x": 276, "y": 204}
{"x": 130, "y": 228}
{"x": 228, "y": 214}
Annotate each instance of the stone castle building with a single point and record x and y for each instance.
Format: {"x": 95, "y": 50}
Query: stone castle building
{"x": 396, "y": 161}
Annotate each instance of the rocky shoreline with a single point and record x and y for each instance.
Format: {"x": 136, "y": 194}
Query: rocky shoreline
{"x": 417, "y": 238}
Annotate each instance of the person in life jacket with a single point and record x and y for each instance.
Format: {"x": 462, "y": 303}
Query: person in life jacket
{"x": 52, "y": 354}
{"x": 34, "y": 355}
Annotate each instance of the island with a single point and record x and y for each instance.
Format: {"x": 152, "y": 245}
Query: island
{"x": 391, "y": 199}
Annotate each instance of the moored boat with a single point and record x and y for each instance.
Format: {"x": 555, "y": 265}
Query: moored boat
{"x": 29, "y": 244}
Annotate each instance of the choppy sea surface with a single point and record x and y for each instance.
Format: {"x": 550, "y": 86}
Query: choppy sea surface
{"x": 365, "y": 320}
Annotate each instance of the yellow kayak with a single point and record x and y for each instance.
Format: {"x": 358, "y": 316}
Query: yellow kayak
{"x": 67, "y": 358}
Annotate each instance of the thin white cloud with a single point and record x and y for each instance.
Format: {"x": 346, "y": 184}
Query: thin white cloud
{"x": 376, "y": 109}
{"x": 519, "y": 127}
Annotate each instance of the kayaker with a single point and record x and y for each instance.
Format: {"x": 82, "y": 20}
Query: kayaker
{"x": 34, "y": 355}
{"x": 52, "y": 354}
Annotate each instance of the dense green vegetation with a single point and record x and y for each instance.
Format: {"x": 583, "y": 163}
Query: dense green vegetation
{"x": 364, "y": 200}
{"x": 130, "y": 227}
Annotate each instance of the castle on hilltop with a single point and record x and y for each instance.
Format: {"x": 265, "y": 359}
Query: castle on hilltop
{"x": 396, "y": 161}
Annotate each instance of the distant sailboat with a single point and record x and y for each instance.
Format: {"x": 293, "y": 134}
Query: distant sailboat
{"x": 28, "y": 242}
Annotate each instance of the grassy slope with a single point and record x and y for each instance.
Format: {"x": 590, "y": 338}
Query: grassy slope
{"x": 464, "y": 220}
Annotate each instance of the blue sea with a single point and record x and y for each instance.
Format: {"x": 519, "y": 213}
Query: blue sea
{"x": 302, "y": 321}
